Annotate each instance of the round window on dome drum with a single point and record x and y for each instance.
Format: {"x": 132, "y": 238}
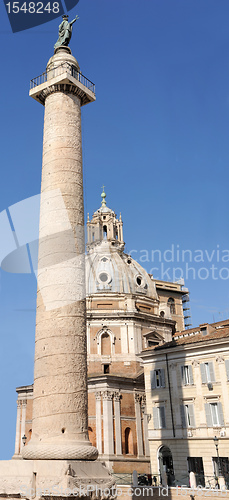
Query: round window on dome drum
{"x": 103, "y": 277}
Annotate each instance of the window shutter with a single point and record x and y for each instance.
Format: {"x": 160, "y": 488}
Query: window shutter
{"x": 227, "y": 368}
{"x": 191, "y": 415}
{"x": 190, "y": 374}
{"x": 211, "y": 370}
{"x": 220, "y": 410}
{"x": 155, "y": 418}
{"x": 153, "y": 379}
{"x": 203, "y": 373}
{"x": 162, "y": 377}
{"x": 208, "y": 415}
{"x": 162, "y": 415}
{"x": 183, "y": 419}
{"x": 182, "y": 375}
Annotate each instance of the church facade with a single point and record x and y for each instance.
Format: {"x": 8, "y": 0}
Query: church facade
{"x": 127, "y": 312}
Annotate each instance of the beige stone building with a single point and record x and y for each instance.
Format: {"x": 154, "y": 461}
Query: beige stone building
{"x": 187, "y": 396}
{"x": 127, "y": 311}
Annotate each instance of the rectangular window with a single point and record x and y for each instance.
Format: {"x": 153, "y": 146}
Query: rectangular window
{"x": 187, "y": 415}
{"x": 186, "y": 375}
{"x": 223, "y": 462}
{"x": 159, "y": 417}
{"x": 227, "y": 367}
{"x": 157, "y": 378}
{"x": 207, "y": 373}
{"x": 195, "y": 464}
{"x": 214, "y": 415}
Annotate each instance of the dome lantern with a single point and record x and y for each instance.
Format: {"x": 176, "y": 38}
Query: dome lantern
{"x": 105, "y": 226}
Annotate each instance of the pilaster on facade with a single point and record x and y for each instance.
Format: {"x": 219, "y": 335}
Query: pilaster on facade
{"x": 117, "y": 415}
{"x": 98, "y": 422}
{"x": 23, "y": 419}
{"x": 138, "y": 398}
{"x": 18, "y": 434}
{"x": 145, "y": 425}
{"x": 224, "y": 387}
{"x": 108, "y": 429}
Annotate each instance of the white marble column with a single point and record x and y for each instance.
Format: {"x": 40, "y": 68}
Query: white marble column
{"x": 145, "y": 425}
{"x": 17, "y": 437}
{"x": 108, "y": 430}
{"x": 139, "y": 424}
{"x": 23, "y": 417}
{"x": 118, "y": 431}
{"x": 98, "y": 423}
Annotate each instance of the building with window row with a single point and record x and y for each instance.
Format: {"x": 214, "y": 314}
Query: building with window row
{"x": 187, "y": 398}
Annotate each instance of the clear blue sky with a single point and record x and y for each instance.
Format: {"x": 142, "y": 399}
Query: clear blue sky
{"x": 157, "y": 137}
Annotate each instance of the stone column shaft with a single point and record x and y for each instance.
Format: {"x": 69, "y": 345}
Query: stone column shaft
{"x": 17, "y": 438}
{"x": 23, "y": 418}
{"x": 139, "y": 425}
{"x": 145, "y": 425}
{"x": 118, "y": 431}
{"x": 98, "y": 423}
{"x": 108, "y": 430}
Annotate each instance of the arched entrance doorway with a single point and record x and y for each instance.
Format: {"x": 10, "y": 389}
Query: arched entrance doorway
{"x": 166, "y": 466}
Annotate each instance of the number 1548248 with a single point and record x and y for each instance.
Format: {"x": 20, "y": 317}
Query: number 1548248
{"x": 33, "y": 7}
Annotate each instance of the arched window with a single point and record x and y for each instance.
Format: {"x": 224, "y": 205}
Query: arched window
{"x": 129, "y": 444}
{"x": 105, "y": 344}
{"x": 104, "y": 232}
{"x": 171, "y": 304}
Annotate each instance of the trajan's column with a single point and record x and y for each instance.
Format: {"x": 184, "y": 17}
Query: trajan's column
{"x": 59, "y": 453}
{"x": 60, "y": 428}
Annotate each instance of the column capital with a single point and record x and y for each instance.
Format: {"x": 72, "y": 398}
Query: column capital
{"x": 98, "y": 395}
{"x": 195, "y": 363}
{"x": 108, "y": 395}
{"x": 117, "y": 396}
{"x": 24, "y": 403}
{"x": 19, "y": 403}
{"x": 220, "y": 359}
{"x": 143, "y": 403}
{"x": 137, "y": 397}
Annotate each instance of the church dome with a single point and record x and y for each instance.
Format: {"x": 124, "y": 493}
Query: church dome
{"x": 111, "y": 270}
{"x": 108, "y": 268}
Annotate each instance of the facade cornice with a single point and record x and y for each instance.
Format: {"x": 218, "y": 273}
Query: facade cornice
{"x": 197, "y": 348}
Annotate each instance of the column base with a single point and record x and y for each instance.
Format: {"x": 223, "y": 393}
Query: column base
{"x": 55, "y": 478}
{"x": 63, "y": 451}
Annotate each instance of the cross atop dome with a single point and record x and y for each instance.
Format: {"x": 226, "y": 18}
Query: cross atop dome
{"x": 103, "y": 195}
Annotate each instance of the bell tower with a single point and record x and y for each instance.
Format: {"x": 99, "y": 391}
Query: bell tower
{"x": 105, "y": 225}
